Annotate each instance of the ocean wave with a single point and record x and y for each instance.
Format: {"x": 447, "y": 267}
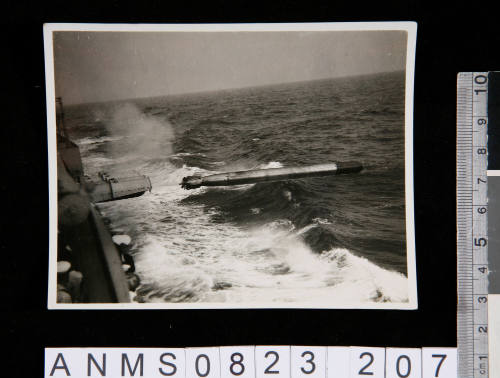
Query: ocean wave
{"x": 268, "y": 264}
{"x": 182, "y": 154}
{"x": 93, "y": 140}
{"x": 187, "y": 257}
{"x": 366, "y": 280}
{"x": 271, "y": 164}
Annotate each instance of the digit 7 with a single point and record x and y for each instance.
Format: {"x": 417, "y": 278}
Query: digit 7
{"x": 438, "y": 367}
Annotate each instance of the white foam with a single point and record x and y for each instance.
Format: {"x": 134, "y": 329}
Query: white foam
{"x": 121, "y": 239}
{"x": 93, "y": 140}
{"x": 321, "y": 221}
{"x": 271, "y": 164}
{"x": 182, "y": 154}
{"x": 182, "y": 255}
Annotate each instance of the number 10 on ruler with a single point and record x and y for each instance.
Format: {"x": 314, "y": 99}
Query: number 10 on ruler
{"x": 252, "y": 362}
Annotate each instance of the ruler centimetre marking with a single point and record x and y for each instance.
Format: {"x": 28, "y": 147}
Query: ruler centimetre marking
{"x": 472, "y": 224}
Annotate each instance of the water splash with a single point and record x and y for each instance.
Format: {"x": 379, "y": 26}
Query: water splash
{"x": 145, "y": 136}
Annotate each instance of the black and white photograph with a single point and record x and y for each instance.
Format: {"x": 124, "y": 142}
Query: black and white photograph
{"x": 231, "y": 166}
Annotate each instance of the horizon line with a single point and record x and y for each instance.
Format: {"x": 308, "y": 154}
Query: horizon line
{"x": 225, "y": 89}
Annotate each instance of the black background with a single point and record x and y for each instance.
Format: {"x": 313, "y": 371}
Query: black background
{"x": 462, "y": 37}
{"x": 494, "y": 120}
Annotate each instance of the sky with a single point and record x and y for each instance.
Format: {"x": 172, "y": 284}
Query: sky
{"x": 104, "y": 66}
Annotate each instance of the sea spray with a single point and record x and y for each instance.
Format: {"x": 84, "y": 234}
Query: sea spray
{"x": 144, "y": 136}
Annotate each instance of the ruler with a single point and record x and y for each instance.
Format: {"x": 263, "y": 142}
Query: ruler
{"x": 472, "y": 224}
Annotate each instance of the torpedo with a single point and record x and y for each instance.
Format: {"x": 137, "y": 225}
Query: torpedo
{"x": 271, "y": 174}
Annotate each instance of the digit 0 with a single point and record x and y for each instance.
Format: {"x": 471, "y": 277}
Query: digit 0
{"x": 197, "y": 367}
{"x": 480, "y": 79}
{"x": 408, "y": 366}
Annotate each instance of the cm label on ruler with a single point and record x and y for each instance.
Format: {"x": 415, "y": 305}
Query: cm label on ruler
{"x": 252, "y": 362}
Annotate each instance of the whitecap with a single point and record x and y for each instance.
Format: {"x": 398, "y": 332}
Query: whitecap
{"x": 271, "y": 164}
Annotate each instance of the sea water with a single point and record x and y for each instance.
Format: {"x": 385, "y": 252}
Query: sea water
{"x": 334, "y": 240}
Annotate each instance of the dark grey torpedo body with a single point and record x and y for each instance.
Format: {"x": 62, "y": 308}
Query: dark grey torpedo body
{"x": 272, "y": 174}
